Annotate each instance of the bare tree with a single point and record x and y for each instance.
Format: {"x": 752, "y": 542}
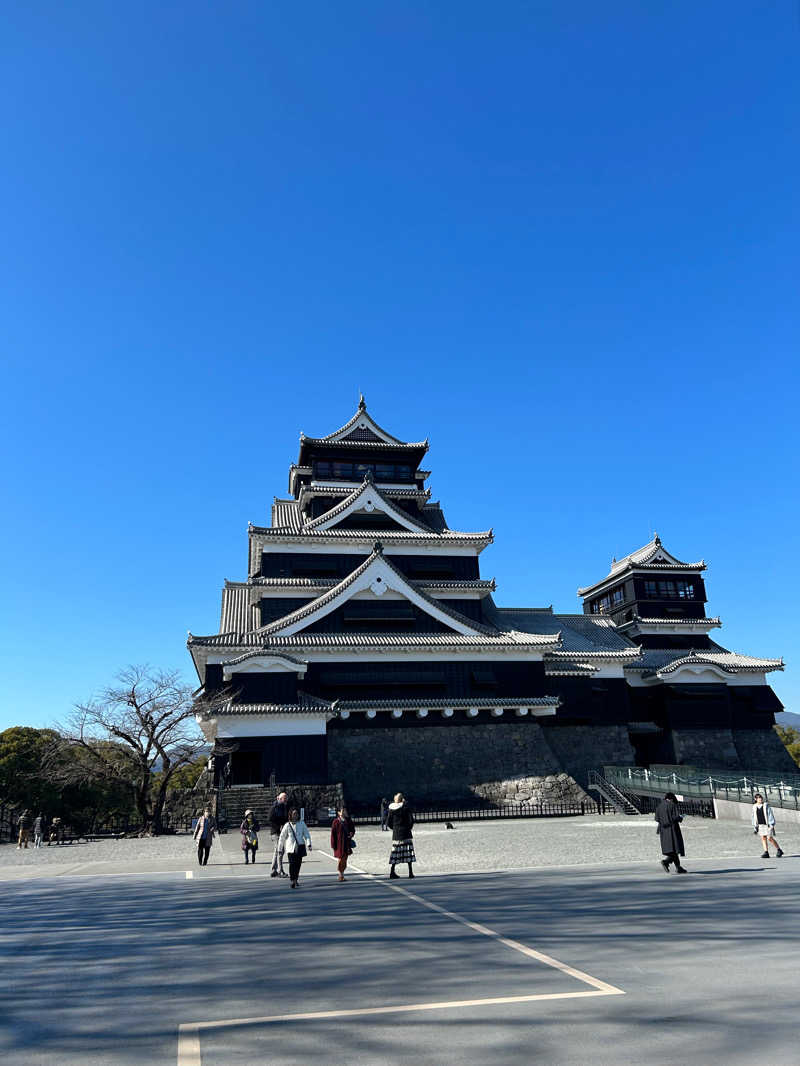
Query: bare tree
{"x": 146, "y": 720}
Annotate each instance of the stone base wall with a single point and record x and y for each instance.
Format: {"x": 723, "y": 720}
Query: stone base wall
{"x": 445, "y": 764}
{"x": 762, "y": 749}
{"x": 580, "y": 748}
{"x": 706, "y": 748}
{"x": 551, "y": 789}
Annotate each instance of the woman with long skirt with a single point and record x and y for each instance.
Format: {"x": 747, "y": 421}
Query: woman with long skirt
{"x": 400, "y": 821}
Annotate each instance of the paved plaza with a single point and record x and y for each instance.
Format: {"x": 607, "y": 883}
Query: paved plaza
{"x": 554, "y": 940}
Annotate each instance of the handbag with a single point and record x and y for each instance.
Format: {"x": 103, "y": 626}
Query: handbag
{"x": 299, "y": 849}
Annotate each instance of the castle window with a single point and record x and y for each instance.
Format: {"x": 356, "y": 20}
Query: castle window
{"x": 651, "y": 590}
{"x": 618, "y": 595}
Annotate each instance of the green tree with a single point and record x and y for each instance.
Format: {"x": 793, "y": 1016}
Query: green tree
{"x": 22, "y": 751}
{"x": 791, "y": 740}
{"x": 185, "y": 777}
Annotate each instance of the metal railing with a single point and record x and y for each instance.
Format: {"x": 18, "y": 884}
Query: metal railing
{"x": 706, "y": 784}
{"x": 619, "y": 798}
{"x": 511, "y": 810}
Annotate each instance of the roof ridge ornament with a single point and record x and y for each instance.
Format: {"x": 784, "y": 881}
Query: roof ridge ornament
{"x": 362, "y": 403}
{"x": 656, "y": 539}
{"x": 378, "y": 548}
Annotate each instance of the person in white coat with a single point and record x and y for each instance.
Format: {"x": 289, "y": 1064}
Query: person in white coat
{"x": 294, "y": 840}
{"x": 764, "y": 825}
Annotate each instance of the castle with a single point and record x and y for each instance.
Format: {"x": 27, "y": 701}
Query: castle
{"x": 365, "y": 648}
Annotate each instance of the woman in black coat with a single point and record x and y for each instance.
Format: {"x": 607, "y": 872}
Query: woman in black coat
{"x": 400, "y": 821}
{"x": 669, "y": 829}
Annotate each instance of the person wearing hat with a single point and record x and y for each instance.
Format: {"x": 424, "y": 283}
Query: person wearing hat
{"x": 249, "y": 830}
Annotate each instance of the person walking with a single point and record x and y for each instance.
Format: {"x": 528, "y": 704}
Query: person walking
{"x": 764, "y": 826}
{"x": 293, "y": 841}
{"x": 384, "y": 814}
{"x": 204, "y": 836}
{"x": 277, "y": 820}
{"x": 24, "y": 827}
{"x": 343, "y": 829}
{"x": 249, "y": 830}
{"x": 400, "y": 821}
{"x": 38, "y": 830}
{"x": 669, "y": 829}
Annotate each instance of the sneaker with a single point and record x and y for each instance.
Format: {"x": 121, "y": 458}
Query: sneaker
{"x": 778, "y": 853}
{"x": 274, "y": 874}
{"x": 283, "y": 873}
{"x": 764, "y": 854}
{"x": 682, "y": 870}
{"x": 665, "y": 866}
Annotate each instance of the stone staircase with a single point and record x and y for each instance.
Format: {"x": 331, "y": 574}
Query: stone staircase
{"x": 233, "y": 802}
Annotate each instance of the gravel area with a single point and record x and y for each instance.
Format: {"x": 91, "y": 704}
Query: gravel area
{"x": 509, "y": 844}
{"x": 502, "y": 844}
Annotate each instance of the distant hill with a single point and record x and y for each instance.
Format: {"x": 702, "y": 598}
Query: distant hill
{"x": 788, "y": 718}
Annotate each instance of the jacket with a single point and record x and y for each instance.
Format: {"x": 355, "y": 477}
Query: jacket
{"x": 252, "y": 827}
{"x": 292, "y": 835}
{"x": 400, "y": 821}
{"x": 278, "y": 816}
{"x": 669, "y": 828}
{"x": 205, "y": 820}
{"x": 768, "y": 815}
{"x": 342, "y": 832}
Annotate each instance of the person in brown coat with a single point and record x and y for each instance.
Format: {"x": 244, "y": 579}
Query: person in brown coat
{"x": 343, "y": 830}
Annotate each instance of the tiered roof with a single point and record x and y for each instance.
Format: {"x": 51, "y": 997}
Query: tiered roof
{"x": 359, "y": 432}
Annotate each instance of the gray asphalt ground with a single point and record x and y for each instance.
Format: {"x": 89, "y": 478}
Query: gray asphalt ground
{"x": 108, "y": 948}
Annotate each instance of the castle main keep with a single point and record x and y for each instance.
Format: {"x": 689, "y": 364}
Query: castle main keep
{"x": 365, "y": 647}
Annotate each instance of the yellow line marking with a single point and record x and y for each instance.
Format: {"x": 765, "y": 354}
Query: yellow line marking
{"x": 396, "y": 1008}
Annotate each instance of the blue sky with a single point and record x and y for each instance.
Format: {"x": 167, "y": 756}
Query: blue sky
{"x": 563, "y": 241}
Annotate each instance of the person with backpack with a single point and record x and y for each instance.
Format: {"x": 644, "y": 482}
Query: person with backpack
{"x": 400, "y": 821}
{"x": 294, "y": 841}
{"x": 249, "y": 830}
{"x": 764, "y": 826}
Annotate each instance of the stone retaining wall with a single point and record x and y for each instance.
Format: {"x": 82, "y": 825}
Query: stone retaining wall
{"x": 762, "y": 749}
{"x": 580, "y": 748}
{"x": 446, "y": 764}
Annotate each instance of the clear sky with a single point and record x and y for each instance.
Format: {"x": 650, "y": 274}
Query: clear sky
{"x": 562, "y": 240}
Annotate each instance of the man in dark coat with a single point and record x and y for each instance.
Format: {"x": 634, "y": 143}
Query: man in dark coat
{"x": 278, "y": 817}
{"x": 669, "y": 829}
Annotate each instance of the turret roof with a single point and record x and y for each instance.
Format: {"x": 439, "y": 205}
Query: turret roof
{"x": 653, "y": 556}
